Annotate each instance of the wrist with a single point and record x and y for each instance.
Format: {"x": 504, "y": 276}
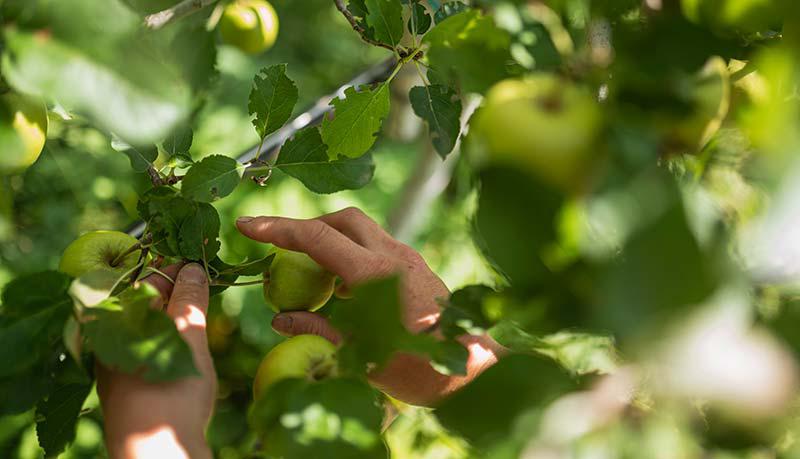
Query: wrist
{"x": 162, "y": 441}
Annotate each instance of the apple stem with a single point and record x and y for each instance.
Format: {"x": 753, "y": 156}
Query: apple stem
{"x": 116, "y": 261}
{"x": 235, "y": 284}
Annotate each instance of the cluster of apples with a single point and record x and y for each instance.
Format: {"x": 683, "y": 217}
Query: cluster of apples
{"x": 294, "y": 282}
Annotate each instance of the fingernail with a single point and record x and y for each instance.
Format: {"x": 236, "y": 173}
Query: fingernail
{"x": 282, "y": 322}
{"x": 192, "y": 273}
{"x": 244, "y": 219}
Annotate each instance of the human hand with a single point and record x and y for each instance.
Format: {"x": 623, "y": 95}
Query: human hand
{"x": 357, "y": 249}
{"x": 167, "y": 420}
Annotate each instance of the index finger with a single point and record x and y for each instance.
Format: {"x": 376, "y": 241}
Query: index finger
{"x": 331, "y": 249}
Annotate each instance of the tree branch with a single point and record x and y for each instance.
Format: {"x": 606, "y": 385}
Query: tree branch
{"x": 357, "y": 27}
{"x": 158, "y": 20}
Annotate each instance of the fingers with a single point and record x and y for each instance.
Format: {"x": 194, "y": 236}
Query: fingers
{"x": 305, "y": 323}
{"x": 188, "y": 305}
{"x": 356, "y": 225}
{"x": 331, "y": 249}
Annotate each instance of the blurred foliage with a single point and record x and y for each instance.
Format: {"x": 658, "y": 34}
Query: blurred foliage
{"x": 652, "y": 305}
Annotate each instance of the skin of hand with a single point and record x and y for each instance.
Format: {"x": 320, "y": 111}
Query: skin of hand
{"x": 354, "y": 247}
{"x": 146, "y": 420}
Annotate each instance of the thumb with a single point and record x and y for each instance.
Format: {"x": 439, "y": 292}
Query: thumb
{"x": 305, "y": 323}
{"x": 188, "y": 305}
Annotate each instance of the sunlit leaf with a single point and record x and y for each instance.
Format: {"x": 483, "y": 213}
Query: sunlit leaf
{"x": 355, "y": 122}
{"x": 272, "y": 99}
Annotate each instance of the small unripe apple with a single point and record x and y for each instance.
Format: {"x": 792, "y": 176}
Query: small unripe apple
{"x": 295, "y": 282}
{"x": 309, "y": 357}
{"x": 27, "y": 116}
{"x": 99, "y": 250}
{"x": 250, "y": 25}
{"x": 542, "y": 124}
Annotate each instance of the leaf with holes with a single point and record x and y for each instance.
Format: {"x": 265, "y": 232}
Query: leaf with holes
{"x": 419, "y": 21}
{"x": 356, "y": 121}
{"x": 440, "y": 107}
{"x": 212, "y": 178}
{"x": 305, "y": 158}
{"x": 272, "y": 99}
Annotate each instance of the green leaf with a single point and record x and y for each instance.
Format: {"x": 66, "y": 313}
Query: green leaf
{"x": 372, "y": 322}
{"x": 93, "y": 287}
{"x": 516, "y": 215}
{"x": 113, "y": 73}
{"x": 356, "y": 121}
{"x": 341, "y": 417}
{"x": 448, "y": 9}
{"x": 212, "y": 178}
{"x": 131, "y": 337}
{"x": 57, "y": 417}
{"x": 179, "y": 141}
{"x": 21, "y": 392}
{"x": 165, "y": 211}
{"x": 305, "y": 158}
{"x": 272, "y": 99}
{"x": 469, "y": 48}
{"x": 487, "y": 409}
{"x": 23, "y": 295}
{"x": 464, "y": 312}
{"x": 386, "y": 19}
{"x": 250, "y": 267}
{"x": 141, "y": 158}
{"x": 440, "y": 107}
{"x": 660, "y": 275}
{"x": 197, "y": 237}
{"x": 23, "y": 342}
{"x": 420, "y": 20}
{"x": 358, "y": 9}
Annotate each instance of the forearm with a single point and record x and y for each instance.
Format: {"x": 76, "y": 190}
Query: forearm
{"x": 413, "y": 380}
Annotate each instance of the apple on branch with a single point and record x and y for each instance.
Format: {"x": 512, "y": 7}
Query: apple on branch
{"x": 250, "y": 25}
{"x": 100, "y": 250}
{"x": 295, "y": 282}
{"x": 543, "y": 124}
{"x": 308, "y": 357}
{"x": 27, "y": 117}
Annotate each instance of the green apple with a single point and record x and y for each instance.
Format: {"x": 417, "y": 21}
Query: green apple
{"x": 250, "y": 25}
{"x": 295, "y": 282}
{"x": 308, "y": 357}
{"x": 736, "y": 15}
{"x": 99, "y": 250}
{"x": 542, "y": 124}
{"x": 23, "y": 142}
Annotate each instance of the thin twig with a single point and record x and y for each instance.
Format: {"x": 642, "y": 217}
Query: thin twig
{"x": 155, "y": 177}
{"x": 158, "y": 20}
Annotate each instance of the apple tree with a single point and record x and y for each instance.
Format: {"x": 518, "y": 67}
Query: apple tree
{"x": 626, "y": 171}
